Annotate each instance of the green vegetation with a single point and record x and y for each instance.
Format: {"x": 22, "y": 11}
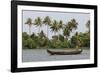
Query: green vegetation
{"x": 59, "y": 41}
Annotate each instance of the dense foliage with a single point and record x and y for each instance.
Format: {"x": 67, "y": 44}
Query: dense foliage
{"x": 65, "y": 40}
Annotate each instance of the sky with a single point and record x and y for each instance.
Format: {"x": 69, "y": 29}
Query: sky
{"x": 81, "y": 18}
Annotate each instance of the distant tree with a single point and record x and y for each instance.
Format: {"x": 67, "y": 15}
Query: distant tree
{"x": 59, "y": 40}
{"x": 66, "y": 31}
{"x": 31, "y": 44}
{"x": 55, "y": 27}
{"x": 69, "y": 27}
{"x": 33, "y": 35}
{"x": 72, "y": 25}
{"x": 38, "y": 22}
{"x": 88, "y": 25}
{"x": 29, "y": 22}
{"x": 61, "y": 37}
{"x": 41, "y": 34}
{"x": 25, "y": 35}
{"x": 60, "y": 24}
{"x": 47, "y": 22}
{"x": 43, "y": 40}
{"x": 88, "y": 33}
{"x": 78, "y": 40}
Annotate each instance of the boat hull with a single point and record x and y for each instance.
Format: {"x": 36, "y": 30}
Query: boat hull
{"x": 64, "y": 52}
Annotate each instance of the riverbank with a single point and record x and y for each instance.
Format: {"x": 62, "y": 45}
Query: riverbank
{"x": 87, "y": 48}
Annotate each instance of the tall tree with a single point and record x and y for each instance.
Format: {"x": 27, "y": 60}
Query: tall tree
{"x": 38, "y": 22}
{"x": 66, "y": 31}
{"x": 47, "y": 22}
{"x": 29, "y": 22}
{"x": 88, "y": 32}
{"x": 78, "y": 40}
{"x": 43, "y": 40}
{"x": 55, "y": 26}
{"x": 41, "y": 34}
{"x": 72, "y": 24}
{"x": 60, "y": 26}
{"x": 88, "y": 25}
{"x": 69, "y": 27}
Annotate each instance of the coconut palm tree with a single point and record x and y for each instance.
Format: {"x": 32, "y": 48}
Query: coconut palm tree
{"x": 72, "y": 24}
{"x": 66, "y": 31}
{"x": 88, "y": 32}
{"x": 29, "y": 22}
{"x": 60, "y": 26}
{"x": 55, "y": 26}
{"x": 38, "y": 22}
{"x": 42, "y": 34}
{"x": 77, "y": 40}
{"x": 47, "y": 22}
{"x": 69, "y": 27}
{"x": 43, "y": 40}
{"x": 88, "y": 25}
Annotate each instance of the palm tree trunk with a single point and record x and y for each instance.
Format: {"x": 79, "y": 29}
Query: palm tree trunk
{"x": 47, "y": 31}
{"x": 39, "y": 30}
{"x": 47, "y": 37}
{"x": 55, "y": 33}
{"x": 29, "y": 30}
{"x": 58, "y": 36}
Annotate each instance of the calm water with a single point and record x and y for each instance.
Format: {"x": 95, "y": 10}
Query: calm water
{"x": 30, "y": 55}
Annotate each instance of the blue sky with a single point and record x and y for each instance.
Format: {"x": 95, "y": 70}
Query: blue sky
{"x": 81, "y": 18}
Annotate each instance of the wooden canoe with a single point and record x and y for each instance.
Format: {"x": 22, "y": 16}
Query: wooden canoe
{"x": 64, "y": 52}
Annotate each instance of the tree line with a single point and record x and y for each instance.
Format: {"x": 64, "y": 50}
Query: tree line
{"x": 65, "y": 40}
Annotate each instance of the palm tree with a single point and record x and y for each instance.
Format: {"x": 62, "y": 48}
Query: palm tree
{"x": 88, "y": 25}
{"x": 66, "y": 31}
{"x": 47, "y": 22}
{"x": 38, "y": 22}
{"x": 55, "y": 26}
{"x": 69, "y": 27}
{"x": 43, "y": 40}
{"x": 72, "y": 24}
{"x": 88, "y": 32}
{"x": 77, "y": 40}
{"x": 60, "y": 26}
{"x": 42, "y": 34}
{"x": 29, "y": 22}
